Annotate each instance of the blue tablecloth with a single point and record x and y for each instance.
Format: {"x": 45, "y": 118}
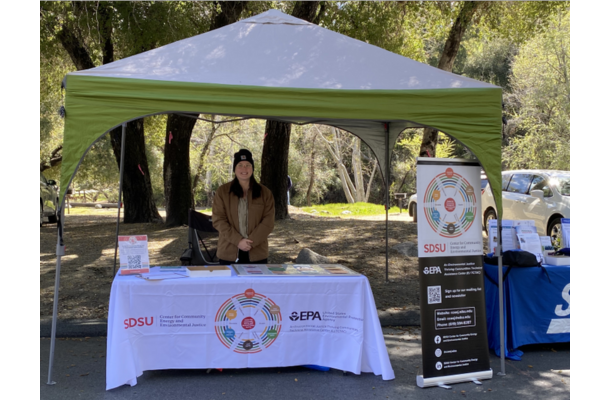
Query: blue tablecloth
{"x": 536, "y": 307}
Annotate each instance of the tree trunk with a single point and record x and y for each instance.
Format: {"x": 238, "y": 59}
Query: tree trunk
{"x": 311, "y": 172}
{"x": 55, "y": 159}
{"x": 357, "y": 170}
{"x": 205, "y": 149}
{"x": 230, "y": 13}
{"x": 208, "y": 181}
{"x": 349, "y": 187}
{"x": 278, "y": 134}
{"x": 368, "y": 191}
{"x": 137, "y": 188}
{"x": 176, "y": 170}
{"x": 179, "y": 196}
{"x": 307, "y": 10}
{"x": 274, "y": 164}
{"x": 342, "y": 173}
{"x": 430, "y": 136}
{"x": 429, "y": 142}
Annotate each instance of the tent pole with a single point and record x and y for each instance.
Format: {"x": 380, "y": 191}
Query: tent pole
{"x": 121, "y": 167}
{"x": 60, "y": 251}
{"x": 387, "y": 196}
{"x": 501, "y": 297}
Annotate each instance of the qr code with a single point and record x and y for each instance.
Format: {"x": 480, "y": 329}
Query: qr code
{"x": 434, "y": 294}
{"x": 134, "y": 261}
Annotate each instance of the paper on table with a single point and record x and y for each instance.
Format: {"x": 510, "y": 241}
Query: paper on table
{"x": 508, "y": 239}
{"x": 492, "y": 235}
{"x": 531, "y": 243}
{"x": 546, "y": 242}
{"x": 161, "y": 276}
{"x": 526, "y": 230}
{"x": 161, "y": 270}
{"x": 250, "y": 269}
{"x": 516, "y": 226}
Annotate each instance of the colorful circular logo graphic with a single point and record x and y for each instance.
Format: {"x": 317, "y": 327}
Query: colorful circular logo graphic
{"x": 248, "y": 322}
{"x": 450, "y": 204}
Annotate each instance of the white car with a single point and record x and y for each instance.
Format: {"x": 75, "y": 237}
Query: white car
{"x": 539, "y": 195}
{"x": 412, "y": 207}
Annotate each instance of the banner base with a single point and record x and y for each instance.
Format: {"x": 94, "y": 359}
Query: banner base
{"x": 443, "y": 381}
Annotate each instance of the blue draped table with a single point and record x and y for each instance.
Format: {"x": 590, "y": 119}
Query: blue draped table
{"x": 536, "y": 307}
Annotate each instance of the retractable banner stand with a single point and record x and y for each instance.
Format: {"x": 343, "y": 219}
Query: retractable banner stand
{"x": 453, "y": 321}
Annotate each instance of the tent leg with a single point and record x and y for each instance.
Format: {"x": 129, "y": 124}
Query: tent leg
{"x": 60, "y": 251}
{"x": 501, "y": 300}
{"x": 387, "y": 197}
{"x": 121, "y": 165}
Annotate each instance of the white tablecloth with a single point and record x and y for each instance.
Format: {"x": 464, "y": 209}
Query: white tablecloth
{"x": 242, "y": 322}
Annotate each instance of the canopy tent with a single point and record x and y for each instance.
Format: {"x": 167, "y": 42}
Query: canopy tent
{"x": 279, "y": 67}
{"x": 274, "y": 66}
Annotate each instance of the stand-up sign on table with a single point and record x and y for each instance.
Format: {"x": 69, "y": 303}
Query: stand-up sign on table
{"x": 133, "y": 254}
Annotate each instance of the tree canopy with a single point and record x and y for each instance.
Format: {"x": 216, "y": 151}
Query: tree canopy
{"x": 523, "y": 47}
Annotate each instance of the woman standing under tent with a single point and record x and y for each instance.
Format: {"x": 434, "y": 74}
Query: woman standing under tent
{"x": 244, "y": 215}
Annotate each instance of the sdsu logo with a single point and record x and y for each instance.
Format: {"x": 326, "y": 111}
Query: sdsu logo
{"x": 141, "y": 321}
{"x": 305, "y": 316}
{"x": 435, "y": 248}
{"x": 432, "y": 270}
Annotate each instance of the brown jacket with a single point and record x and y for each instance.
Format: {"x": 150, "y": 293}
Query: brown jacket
{"x": 225, "y": 219}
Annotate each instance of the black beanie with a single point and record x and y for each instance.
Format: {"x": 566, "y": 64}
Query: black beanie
{"x": 242, "y": 155}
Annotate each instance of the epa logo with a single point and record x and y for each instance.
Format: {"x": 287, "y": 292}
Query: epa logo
{"x": 432, "y": 270}
{"x": 305, "y": 316}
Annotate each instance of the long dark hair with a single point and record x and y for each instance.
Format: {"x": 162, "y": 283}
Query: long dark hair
{"x": 237, "y": 189}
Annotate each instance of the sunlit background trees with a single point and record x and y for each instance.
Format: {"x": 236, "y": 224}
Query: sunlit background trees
{"x": 523, "y": 47}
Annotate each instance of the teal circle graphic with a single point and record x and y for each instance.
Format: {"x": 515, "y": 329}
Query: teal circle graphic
{"x": 246, "y": 324}
{"x": 450, "y": 204}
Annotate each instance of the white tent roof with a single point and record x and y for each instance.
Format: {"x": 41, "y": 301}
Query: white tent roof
{"x": 278, "y": 67}
{"x": 277, "y": 50}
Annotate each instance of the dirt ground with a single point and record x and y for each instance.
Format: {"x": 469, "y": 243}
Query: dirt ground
{"x": 359, "y": 243}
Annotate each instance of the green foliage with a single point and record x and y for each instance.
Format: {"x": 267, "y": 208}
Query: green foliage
{"x": 400, "y": 27}
{"x": 519, "y": 21}
{"x": 354, "y": 209}
{"x": 488, "y": 59}
{"x": 305, "y": 148}
{"x": 216, "y": 168}
{"x": 406, "y": 151}
{"x": 98, "y": 170}
{"x": 54, "y": 64}
{"x": 521, "y": 46}
{"x": 539, "y": 106}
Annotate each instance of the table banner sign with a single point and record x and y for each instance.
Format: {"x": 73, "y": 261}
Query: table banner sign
{"x": 133, "y": 254}
{"x": 242, "y": 322}
{"x": 535, "y": 316}
{"x": 453, "y": 321}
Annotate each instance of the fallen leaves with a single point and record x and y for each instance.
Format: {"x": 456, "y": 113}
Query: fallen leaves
{"x": 91, "y": 234}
